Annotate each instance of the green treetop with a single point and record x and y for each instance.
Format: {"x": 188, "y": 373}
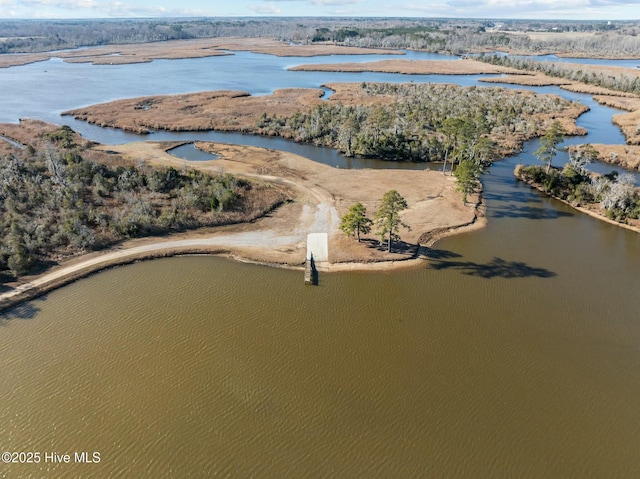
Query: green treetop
{"x": 355, "y": 221}
{"x": 548, "y": 144}
{"x": 467, "y": 174}
{"x": 387, "y": 218}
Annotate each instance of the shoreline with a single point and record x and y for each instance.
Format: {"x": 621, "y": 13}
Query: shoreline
{"x": 133, "y": 53}
{"x": 92, "y": 263}
{"x": 582, "y": 209}
{"x": 322, "y": 195}
{"x": 66, "y": 274}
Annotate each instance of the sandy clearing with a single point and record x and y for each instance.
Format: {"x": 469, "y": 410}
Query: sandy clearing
{"x": 325, "y": 193}
{"x": 282, "y": 238}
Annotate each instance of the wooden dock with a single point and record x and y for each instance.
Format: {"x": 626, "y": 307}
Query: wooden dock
{"x": 310, "y": 272}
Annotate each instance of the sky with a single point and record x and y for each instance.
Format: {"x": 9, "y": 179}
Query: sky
{"x": 540, "y": 9}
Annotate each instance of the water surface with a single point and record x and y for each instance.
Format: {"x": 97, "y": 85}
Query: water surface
{"x": 515, "y": 352}
{"x": 485, "y": 363}
{"x": 189, "y": 152}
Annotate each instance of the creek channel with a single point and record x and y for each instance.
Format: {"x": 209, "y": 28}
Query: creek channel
{"x": 514, "y": 351}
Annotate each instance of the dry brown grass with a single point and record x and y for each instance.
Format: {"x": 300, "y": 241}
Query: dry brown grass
{"x": 626, "y": 156}
{"x": 527, "y": 79}
{"x": 197, "y": 48}
{"x": 434, "y": 204}
{"x": 238, "y": 111}
{"x": 28, "y": 131}
{"x": 7, "y": 61}
{"x": 221, "y": 110}
{"x": 414, "y": 67}
{"x": 577, "y": 87}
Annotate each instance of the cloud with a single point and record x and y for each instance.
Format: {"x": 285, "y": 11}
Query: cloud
{"x": 268, "y": 9}
{"x": 608, "y": 3}
{"x": 96, "y": 8}
{"x": 507, "y": 8}
{"x": 121, "y": 9}
{"x": 518, "y": 5}
{"x": 321, "y": 2}
{"x": 335, "y": 2}
{"x": 69, "y": 4}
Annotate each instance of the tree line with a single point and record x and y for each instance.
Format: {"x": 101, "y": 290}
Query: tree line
{"x": 55, "y": 203}
{"x": 421, "y": 122}
{"x": 623, "y": 83}
{"x": 465, "y": 128}
{"x": 453, "y": 36}
{"x": 615, "y": 193}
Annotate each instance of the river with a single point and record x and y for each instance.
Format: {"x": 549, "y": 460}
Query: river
{"x": 514, "y": 352}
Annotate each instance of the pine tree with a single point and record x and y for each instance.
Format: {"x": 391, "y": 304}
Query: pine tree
{"x": 467, "y": 174}
{"x": 548, "y": 144}
{"x": 355, "y": 221}
{"x": 387, "y": 218}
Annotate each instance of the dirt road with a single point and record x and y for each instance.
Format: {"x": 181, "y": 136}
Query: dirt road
{"x": 324, "y": 193}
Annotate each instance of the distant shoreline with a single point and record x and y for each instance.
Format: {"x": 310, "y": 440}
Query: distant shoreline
{"x": 184, "y": 49}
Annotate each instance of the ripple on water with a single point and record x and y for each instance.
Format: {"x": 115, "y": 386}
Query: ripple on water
{"x": 201, "y": 366}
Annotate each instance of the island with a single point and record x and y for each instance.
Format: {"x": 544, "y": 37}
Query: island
{"x": 275, "y": 199}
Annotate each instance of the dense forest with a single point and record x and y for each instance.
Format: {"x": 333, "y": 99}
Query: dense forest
{"x": 422, "y": 122}
{"x": 468, "y": 36}
{"x": 54, "y": 202}
{"x": 453, "y": 36}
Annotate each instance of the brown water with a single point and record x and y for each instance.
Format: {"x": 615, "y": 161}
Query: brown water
{"x": 514, "y": 353}
{"x": 525, "y": 364}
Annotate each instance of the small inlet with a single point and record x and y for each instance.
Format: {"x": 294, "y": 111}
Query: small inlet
{"x": 189, "y": 152}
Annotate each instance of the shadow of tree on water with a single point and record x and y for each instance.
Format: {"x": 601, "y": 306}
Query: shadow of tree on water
{"x": 441, "y": 254}
{"x": 496, "y": 268}
{"x": 528, "y": 212}
{"x": 513, "y": 197}
{"x": 22, "y": 311}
